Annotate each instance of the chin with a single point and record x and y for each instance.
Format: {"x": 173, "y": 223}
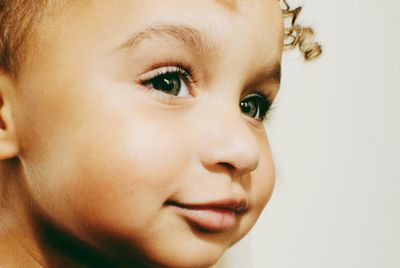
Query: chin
{"x": 184, "y": 256}
{"x": 194, "y": 262}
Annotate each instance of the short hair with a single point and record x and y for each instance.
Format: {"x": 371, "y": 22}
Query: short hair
{"x": 17, "y": 24}
{"x": 18, "y": 19}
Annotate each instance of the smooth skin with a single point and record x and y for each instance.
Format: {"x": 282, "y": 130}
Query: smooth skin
{"x": 92, "y": 156}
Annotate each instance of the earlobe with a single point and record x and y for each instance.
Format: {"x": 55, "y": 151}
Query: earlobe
{"x": 8, "y": 141}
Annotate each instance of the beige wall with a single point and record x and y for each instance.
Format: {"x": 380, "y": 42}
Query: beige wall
{"x": 335, "y": 135}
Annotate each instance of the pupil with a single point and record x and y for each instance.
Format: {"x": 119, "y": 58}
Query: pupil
{"x": 249, "y": 108}
{"x": 245, "y": 107}
{"x": 170, "y": 84}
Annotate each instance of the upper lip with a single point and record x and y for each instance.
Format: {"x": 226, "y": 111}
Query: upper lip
{"x": 232, "y": 204}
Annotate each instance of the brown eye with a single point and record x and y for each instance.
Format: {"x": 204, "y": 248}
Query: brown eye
{"x": 255, "y": 106}
{"x": 169, "y": 80}
{"x": 169, "y": 83}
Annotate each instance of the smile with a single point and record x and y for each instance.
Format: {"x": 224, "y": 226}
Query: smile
{"x": 210, "y": 217}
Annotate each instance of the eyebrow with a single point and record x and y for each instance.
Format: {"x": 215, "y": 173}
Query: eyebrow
{"x": 198, "y": 43}
{"x": 272, "y": 73}
{"x": 229, "y": 4}
{"x": 188, "y": 36}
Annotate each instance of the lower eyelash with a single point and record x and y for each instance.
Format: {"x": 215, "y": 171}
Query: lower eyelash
{"x": 164, "y": 98}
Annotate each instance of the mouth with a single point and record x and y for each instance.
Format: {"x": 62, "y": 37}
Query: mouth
{"x": 213, "y": 217}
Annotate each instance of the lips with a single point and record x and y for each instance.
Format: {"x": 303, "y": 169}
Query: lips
{"x": 218, "y": 216}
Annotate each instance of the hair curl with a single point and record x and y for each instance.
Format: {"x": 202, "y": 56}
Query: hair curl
{"x": 297, "y": 35}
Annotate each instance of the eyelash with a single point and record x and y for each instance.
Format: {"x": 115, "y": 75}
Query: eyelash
{"x": 183, "y": 71}
{"x": 186, "y": 74}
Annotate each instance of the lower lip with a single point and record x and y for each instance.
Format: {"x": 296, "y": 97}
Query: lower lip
{"x": 211, "y": 220}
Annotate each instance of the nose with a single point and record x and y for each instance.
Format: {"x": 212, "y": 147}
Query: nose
{"x": 229, "y": 142}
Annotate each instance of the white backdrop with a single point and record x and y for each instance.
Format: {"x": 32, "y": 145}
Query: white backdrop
{"x": 335, "y": 135}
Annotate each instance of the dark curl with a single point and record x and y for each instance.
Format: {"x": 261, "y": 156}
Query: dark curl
{"x": 297, "y": 35}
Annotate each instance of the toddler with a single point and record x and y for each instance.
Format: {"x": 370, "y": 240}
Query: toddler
{"x": 131, "y": 131}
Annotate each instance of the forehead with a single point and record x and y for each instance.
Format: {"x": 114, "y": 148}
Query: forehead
{"x": 106, "y": 25}
{"x": 264, "y": 13}
{"x": 269, "y": 10}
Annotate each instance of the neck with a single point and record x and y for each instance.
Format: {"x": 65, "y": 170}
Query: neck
{"x": 17, "y": 248}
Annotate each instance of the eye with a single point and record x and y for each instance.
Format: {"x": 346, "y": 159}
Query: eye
{"x": 171, "y": 80}
{"x": 255, "y": 106}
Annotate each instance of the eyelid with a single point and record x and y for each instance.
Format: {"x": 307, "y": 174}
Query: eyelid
{"x": 185, "y": 71}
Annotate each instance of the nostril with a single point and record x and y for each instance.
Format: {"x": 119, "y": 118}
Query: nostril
{"x": 2, "y": 124}
{"x": 227, "y": 166}
{"x": 239, "y": 170}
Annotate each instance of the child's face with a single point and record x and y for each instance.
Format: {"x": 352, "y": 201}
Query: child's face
{"x": 122, "y": 167}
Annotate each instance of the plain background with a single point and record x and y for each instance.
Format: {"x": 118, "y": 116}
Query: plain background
{"x": 335, "y": 136}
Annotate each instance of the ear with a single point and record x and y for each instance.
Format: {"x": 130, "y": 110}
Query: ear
{"x": 8, "y": 141}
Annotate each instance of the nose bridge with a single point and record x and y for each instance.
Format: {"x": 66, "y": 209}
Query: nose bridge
{"x": 227, "y": 140}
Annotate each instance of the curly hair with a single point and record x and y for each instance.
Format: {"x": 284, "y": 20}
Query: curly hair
{"x": 19, "y": 17}
{"x": 297, "y": 35}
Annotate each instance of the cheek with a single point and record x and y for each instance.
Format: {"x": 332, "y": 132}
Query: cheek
{"x": 262, "y": 181}
{"x": 131, "y": 172}
{"x": 259, "y": 186}
{"x": 263, "y": 177}
{"x": 111, "y": 172}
